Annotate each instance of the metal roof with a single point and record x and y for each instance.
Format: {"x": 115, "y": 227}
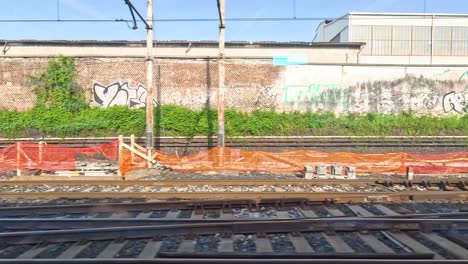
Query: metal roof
{"x": 182, "y": 43}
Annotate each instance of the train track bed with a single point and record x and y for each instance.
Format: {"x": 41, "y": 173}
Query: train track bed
{"x": 170, "y": 175}
{"x": 221, "y": 209}
{"x": 346, "y": 238}
{"x": 167, "y": 175}
{"x": 320, "y": 190}
{"x": 213, "y": 231}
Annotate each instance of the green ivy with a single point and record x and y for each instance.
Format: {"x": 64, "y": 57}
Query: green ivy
{"x": 55, "y": 87}
{"x": 173, "y": 120}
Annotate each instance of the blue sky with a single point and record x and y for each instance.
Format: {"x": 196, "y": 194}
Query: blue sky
{"x": 164, "y": 9}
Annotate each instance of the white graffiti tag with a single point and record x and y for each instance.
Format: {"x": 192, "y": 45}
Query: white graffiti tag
{"x": 118, "y": 93}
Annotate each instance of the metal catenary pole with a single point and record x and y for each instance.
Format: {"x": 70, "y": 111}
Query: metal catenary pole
{"x": 149, "y": 75}
{"x": 221, "y": 75}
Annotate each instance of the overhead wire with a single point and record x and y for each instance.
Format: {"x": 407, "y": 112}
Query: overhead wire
{"x": 232, "y": 19}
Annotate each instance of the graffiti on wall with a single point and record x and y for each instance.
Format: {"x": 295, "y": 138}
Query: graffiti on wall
{"x": 119, "y": 93}
{"x": 456, "y": 102}
{"x": 241, "y": 96}
{"x": 409, "y": 93}
{"x": 317, "y": 93}
{"x": 463, "y": 77}
{"x": 266, "y": 98}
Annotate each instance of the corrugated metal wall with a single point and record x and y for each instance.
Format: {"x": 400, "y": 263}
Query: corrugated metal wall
{"x": 412, "y": 40}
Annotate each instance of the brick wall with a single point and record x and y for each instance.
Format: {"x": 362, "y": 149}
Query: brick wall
{"x": 253, "y": 84}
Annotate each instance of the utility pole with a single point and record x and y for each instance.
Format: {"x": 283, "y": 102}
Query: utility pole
{"x": 149, "y": 76}
{"x": 221, "y": 75}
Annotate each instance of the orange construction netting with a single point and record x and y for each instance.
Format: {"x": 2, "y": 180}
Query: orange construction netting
{"x": 233, "y": 159}
{"x": 455, "y": 162}
{"x": 42, "y": 156}
{"x": 26, "y": 156}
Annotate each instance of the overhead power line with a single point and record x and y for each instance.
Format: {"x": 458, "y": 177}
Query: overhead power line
{"x": 160, "y": 20}
{"x": 236, "y": 19}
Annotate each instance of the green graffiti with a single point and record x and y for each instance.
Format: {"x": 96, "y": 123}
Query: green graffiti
{"x": 464, "y": 76}
{"x": 313, "y": 94}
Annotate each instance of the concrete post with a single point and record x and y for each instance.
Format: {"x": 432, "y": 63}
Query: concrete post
{"x": 149, "y": 75}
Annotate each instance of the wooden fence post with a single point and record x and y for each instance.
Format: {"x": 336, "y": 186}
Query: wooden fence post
{"x": 119, "y": 171}
{"x": 148, "y": 161}
{"x": 132, "y": 144}
{"x": 41, "y": 149}
{"x": 18, "y": 158}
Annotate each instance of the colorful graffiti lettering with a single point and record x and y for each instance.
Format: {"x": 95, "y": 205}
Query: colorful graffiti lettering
{"x": 332, "y": 94}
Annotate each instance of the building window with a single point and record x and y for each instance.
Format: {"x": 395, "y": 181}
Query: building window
{"x": 459, "y": 41}
{"x": 381, "y": 40}
{"x": 363, "y": 34}
{"x": 412, "y": 40}
{"x": 442, "y": 41}
{"x": 421, "y": 41}
{"x": 401, "y": 40}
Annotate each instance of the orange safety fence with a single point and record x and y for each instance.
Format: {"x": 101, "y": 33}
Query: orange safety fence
{"x": 233, "y": 159}
{"x": 448, "y": 163}
{"x": 42, "y": 156}
{"x": 26, "y": 156}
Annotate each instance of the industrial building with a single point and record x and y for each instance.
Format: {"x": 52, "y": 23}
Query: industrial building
{"x": 401, "y": 38}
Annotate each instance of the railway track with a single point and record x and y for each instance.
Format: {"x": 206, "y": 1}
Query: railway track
{"x": 336, "y": 226}
{"x": 332, "y": 190}
{"x": 265, "y": 142}
{"x": 341, "y": 239}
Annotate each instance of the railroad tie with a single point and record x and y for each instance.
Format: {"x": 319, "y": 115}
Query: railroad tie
{"x": 448, "y": 245}
{"x": 32, "y": 252}
{"x": 225, "y": 245}
{"x": 385, "y": 210}
{"x": 143, "y": 215}
{"x": 334, "y": 211}
{"x": 196, "y": 215}
{"x": 282, "y": 215}
{"x": 112, "y": 249}
{"x": 359, "y": 211}
{"x": 225, "y": 216}
{"x": 186, "y": 246}
{"x": 308, "y": 213}
{"x": 414, "y": 245}
{"x": 338, "y": 244}
{"x": 172, "y": 214}
{"x": 150, "y": 250}
{"x": 263, "y": 244}
{"x": 375, "y": 244}
{"x": 74, "y": 250}
{"x": 300, "y": 244}
{"x": 5, "y": 249}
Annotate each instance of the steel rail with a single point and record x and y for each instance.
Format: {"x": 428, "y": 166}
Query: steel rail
{"x": 143, "y": 206}
{"x": 268, "y": 141}
{"x": 79, "y": 223}
{"x": 196, "y": 205}
{"x": 243, "y": 182}
{"x": 338, "y": 197}
{"x": 287, "y": 226}
{"x": 335, "y": 255}
{"x": 272, "y": 260}
{"x": 200, "y": 182}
